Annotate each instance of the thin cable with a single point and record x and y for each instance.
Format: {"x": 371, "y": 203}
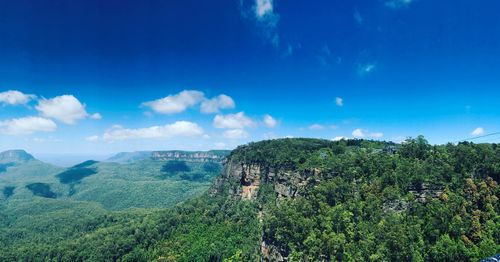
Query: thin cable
{"x": 478, "y": 137}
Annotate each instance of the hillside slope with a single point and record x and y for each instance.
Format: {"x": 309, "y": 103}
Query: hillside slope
{"x": 313, "y": 200}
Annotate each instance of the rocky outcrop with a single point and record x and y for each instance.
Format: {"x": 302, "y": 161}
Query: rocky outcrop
{"x": 425, "y": 192}
{"x": 243, "y": 180}
{"x": 217, "y": 156}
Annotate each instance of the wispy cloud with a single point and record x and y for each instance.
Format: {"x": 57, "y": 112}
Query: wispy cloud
{"x": 265, "y": 17}
{"x": 177, "y": 129}
{"x": 366, "y": 68}
{"x": 360, "y": 133}
{"x": 27, "y": 125}
{"x": 358, "y": 18}
{"x": 339, "y": 101}
{"x": 269, "y": 121}
{"x": 235, "y": 134}
{"x": 326, "y": 58}
{"x": 396, "y": 4}
{"x": 478, "y": 132}
{"x": 316, "y": 127}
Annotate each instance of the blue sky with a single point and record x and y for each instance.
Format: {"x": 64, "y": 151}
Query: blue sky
{"x": 98, "y": 77}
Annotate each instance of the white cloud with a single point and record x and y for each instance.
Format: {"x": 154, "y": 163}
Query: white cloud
{"x": 233, "y": 121}
{"x": 92, "y": 138}
{"x": 338, "y": 138}
{"x": 263, "y": 8}
{"x": 96, "y": 116}
{"x": 177, "y": 103}
{"x": 235, "y": 134}
{"x": 14, "y": 97}
{"x": 263, "y": 13}
{"x": 27, "y": 125}
{"x": 177, "y": 129}
{"x": 65, "y": 108}
{"x": 396, "y": 4}
{"x": 215, "y": 104}
{"x": 180, "y": 102}
{"x": 478, "y": 132}
{"x": 316, "y": 127}
{"x": 339, "y": 101}
{"x": 365, "y": 69}
{"x": 269, "y": 121}
{"x": 360, "y": 133}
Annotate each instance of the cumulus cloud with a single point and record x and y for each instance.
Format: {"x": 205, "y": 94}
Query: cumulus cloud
{"x": 27, "y": 125}
{"x": 338, "y": 138}
{"x": 177, "y": 129}
{"x": 339, "y": 101}
{"x": 360, "y": 133}
{"x": 177, "y": 103}
{"x": 233, "y": 121}
{"x": 478, "y": 132}
{"x": 14, "y": 97}
{"x": 269, "y": 121}
{"x": 235, "y": 134}
{"x": 65, "y": 108}
{"x": 316, "y": 127}
{"x": 396, "y": 4}
{"x": 180, "y": 102}
{"x": 214, "y": 105}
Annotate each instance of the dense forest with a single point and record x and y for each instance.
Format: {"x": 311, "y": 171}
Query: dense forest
{"x": 356, "y": 200}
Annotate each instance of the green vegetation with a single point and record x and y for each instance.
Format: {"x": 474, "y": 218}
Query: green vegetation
{"x": 3, "y": 167}
{"x": 8, "y": 191}
{"x": 211, "y": 167}
{"x": 77, "y": 173}
{"x": 355, "y": 200}
{"x": 175, "y": 166}
{"x": 42, "y": 190}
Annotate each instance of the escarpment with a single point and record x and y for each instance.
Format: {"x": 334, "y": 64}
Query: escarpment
{"x": 244, "y": 180}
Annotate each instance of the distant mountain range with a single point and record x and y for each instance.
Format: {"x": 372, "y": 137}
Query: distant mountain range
{"x": 189, "y": 156}
{"x": 15, "y": 156}
{"x": 117, "y": 183}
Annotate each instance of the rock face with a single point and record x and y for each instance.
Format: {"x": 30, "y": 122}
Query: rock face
{"x": 240, "y": 180}
{"x": 425, "y": 192}
{"x": 217, "y": 156}
{"x": 243, "y": 180}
